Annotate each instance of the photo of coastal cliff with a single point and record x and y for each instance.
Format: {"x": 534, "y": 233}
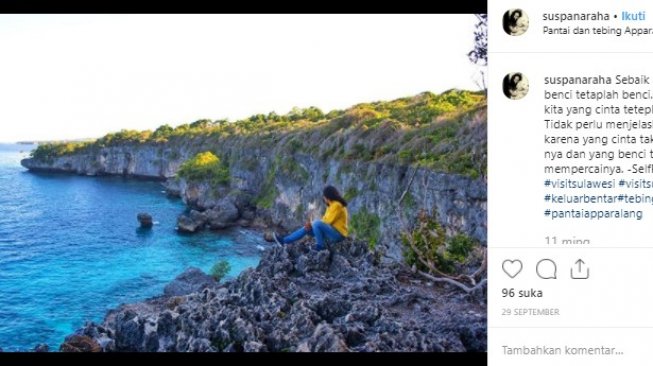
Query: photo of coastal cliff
{"x": 234, "y": 183}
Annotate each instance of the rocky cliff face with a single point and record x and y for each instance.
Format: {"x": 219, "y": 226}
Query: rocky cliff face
{"x": 298, "y": 300}
{"x": 143, "y": 160}
{"x": 284, "y": 189}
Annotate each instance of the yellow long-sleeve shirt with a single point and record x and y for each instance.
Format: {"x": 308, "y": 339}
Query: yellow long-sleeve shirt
{"x": 336, "y": 216}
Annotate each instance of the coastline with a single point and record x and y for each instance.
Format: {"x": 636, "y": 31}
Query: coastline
{"x": 55, "y": 171}
{"x": 273, "y": 179}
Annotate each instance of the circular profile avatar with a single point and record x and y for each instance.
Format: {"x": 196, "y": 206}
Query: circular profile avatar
{"x": 515, "y": 85}
{"x": 515, "y": 22}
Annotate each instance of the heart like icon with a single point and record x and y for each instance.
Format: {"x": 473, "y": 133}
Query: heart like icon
{"x": 512, "y": 267}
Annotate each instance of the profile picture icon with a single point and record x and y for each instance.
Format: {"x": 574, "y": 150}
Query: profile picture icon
{"x": 515, "y": 22}
{"x": 515, "y": 85}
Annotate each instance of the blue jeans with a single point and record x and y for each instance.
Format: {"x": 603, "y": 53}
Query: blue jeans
{"x": 321, "y": 231}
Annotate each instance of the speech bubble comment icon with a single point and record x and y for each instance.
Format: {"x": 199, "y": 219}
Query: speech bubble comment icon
{"x": 546, "y": 269}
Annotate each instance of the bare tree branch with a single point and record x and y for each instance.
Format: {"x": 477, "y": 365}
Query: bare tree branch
{"x": 483, "y": 266}
{"x": 410, "y": 182}
{"x": 428, "y": 264}
{"x": 450, "y": 281}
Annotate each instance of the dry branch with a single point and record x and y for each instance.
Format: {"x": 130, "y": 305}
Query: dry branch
{"x": 452, "y": 280}
{"x": 460, "y": 285}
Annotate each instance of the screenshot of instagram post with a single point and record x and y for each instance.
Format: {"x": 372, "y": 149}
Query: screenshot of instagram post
{"x": 570, "y": 182}
{"x": 211, "y": 184}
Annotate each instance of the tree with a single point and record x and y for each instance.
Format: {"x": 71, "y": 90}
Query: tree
{"x": 478, "y": 55}
{"x": 201, "y": 124}
{"x": 313, "y": 114}
{"x": 257, "y": 118}
{"x": 220, "y": 269}
{"x": 163, "y": 131}
{"x": 295, "y": 114}
{"x": 425, "y": 246}
{"x": 205, "y": 166}
{"x": 273, "y": 116}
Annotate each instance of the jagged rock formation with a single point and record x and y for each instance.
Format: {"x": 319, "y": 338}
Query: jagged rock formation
{"x": 79, "y": 343}
{"x": 297, "y": 299}
{"x": 190, "y": 281}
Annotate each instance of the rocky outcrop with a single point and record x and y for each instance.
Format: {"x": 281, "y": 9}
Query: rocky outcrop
{"x": 145, "y": 160}
{"x": 42, "y": 348}
{"x": 80, "y": 343}
{"x": 192, "y": 222}
{"x": 145, "y": 220}
{"x": 297, "y": 299}
{"x": 222, "y": 215}
{"x": 191, "y": 280}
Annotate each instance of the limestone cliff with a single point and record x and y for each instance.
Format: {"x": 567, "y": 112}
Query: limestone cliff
{"x": 280, "y": 168}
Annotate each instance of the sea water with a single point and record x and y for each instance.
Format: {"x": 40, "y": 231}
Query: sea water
{"x": 71, "y": 248}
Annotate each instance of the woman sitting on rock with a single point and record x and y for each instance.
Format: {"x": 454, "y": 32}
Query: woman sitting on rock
{"x": 332, "y": 227}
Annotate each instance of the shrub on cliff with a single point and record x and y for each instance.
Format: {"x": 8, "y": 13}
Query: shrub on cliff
{"x": 47, "y": 152}
{"x": 124, "y": 137}
{"x": 428, "y": 243}
{"x": 313, "y": 114}
{"x": 162, "y": 133}
{"x": 365, "y": 225}
{"x": 220, "y": 269}
{"x": 205, "y": 166}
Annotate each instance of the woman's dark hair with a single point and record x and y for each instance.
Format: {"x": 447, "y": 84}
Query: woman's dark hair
{"x": 514, "y": 81}
{"x": 506, "y": 86}
{"x": 518, "y": 14}
{"x": 332, "y": 194}
{"x": 506, "y": 22}
{"x": 510, "y": 83}
{"x": 509, "y": 20}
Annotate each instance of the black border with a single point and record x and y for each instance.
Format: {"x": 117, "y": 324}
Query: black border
{"x": 417, "y": 358}
{"x": 204, "y": 6}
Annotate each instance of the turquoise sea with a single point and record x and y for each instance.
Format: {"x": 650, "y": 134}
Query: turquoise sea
{"x": 70, "y": 249}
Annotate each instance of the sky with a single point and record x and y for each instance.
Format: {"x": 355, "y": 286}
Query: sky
{"x": 81, "y": 76}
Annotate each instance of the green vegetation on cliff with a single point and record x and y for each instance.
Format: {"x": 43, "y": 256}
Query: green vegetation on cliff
{"x": 220, "y": 269}
{"x": 365, "y": 225}
{"x": 48, "y": 151}
{"x": 428, "y": 242}
{"x": 443, "y": 132}
{"x": 269, "y": 191}
{"x": 205, "y": 166}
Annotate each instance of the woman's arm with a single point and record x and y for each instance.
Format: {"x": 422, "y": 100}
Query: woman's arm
{"x": 331, "y": 214}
